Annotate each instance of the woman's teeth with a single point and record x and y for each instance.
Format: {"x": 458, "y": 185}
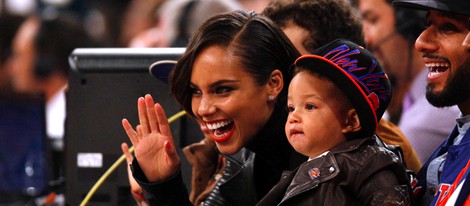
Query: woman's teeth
{"x": 218, "y": 125}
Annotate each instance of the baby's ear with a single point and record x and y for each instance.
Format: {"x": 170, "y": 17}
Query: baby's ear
{"x": 352, "y": 124}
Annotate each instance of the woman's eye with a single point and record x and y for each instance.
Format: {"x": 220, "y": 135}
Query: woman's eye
{"x": 222, "y": 90}
{"x": 195, "y": 91}
{"x": 309, "y": 106}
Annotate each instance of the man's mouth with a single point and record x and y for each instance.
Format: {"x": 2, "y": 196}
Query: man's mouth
{"x": 221, "y": 130}
{"x": 436, "y": 69}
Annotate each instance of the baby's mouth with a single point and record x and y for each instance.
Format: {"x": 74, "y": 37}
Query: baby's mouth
{"x": 221, "y": 131}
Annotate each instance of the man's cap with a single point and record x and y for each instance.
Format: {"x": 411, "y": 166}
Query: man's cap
{"x": 161, "y": 69}
{"x": 461, "y": 7}
{"x": 358, "y": 74}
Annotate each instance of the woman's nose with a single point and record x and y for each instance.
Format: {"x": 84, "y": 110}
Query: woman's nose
{"x": 205, "y": 106}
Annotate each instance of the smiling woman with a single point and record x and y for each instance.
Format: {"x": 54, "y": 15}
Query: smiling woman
{"x": 232, "y": 79}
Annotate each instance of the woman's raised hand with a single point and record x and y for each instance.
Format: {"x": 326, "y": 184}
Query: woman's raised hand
{"x": 153, "y": 143}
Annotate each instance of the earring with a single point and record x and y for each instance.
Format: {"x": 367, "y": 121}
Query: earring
{"x": 271, "y": 98}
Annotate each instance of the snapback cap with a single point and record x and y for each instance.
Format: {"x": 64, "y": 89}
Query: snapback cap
{"x": 356, "y": 72}
{"x": 161, "y": 69}
{"x": 461, "y": 7}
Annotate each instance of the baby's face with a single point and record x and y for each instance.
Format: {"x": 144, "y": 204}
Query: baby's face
{"x": 315, "y": 123}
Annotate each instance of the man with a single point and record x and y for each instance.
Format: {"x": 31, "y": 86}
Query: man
{"x": 304, "y": 22}
{"x": 390, "y": 34}
{"x": 448, "y": 84}
{"x": 40, "y": 66}
{"x": 9, "y": 24}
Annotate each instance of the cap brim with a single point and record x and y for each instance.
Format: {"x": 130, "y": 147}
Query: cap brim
{"x": 346, "y": 83}
{"x": 161, "y": 69}
{"x": 434, "y": 5}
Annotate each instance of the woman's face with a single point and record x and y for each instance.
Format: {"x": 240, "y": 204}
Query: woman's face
{"x": 227, "y": 99}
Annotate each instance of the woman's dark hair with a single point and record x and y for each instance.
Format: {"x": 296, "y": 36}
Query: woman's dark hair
{"x": 254, "y": 39}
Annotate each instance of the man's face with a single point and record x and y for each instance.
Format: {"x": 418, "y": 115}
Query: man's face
{"x": 382, "y": 37}
{"x": 23, "y": 58}
{"x": 297, "y": 35}
{"x": 446, "y": 58}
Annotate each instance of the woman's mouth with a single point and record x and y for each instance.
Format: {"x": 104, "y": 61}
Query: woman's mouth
{"x": 221, "y": 130}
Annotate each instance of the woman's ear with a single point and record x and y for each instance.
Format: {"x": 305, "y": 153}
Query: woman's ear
{"x": 352, "y": 124}
{"x": 275, "y": 83}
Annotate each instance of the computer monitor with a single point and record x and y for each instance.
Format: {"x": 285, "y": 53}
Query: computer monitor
{"x": 104, "y": 86}
{"x": 23, "y": 150}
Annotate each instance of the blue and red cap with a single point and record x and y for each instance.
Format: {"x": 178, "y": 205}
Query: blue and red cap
{"x": 358, "y": 73}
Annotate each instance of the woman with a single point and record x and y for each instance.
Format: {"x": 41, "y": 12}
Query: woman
{"x": 231, "y": 78}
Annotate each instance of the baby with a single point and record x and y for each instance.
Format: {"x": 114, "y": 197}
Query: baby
{"x": 335, "y": 100}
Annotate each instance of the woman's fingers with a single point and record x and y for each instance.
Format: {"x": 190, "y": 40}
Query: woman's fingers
{"x": 163, "y": 125}
{"x": 152, "y": 116}
{"x": 143, "y": 118}
{"x": 130, "y": 132}
{"x": 125, "y": 151}
{"x": 139, "y": 131}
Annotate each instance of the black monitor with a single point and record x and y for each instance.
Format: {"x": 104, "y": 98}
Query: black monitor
{"x": 23, "y": 150}
{"x": 104, "y": 86}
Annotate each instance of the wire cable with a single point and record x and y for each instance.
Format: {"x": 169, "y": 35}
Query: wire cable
{"x": 118, "y": 162}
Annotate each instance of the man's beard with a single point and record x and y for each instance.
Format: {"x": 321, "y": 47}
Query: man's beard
{"x": 456, "y": 90}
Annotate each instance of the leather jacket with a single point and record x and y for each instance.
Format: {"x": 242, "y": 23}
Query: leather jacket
{"x": 357, "y": 172}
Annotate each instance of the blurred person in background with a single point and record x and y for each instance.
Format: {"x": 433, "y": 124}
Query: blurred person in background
{"x": 140, "y": 15}
{"x": 178, "y": 20}
{"x": 390, "y": 33}
{"x": 9, "y": 24}
{"x": 254, "y": 5}
{"x": 41, "y": 48}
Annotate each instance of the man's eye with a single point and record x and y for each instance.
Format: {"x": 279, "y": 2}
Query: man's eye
{"x": 373, "y": 20}
{"x": 448, "y": 27}
{"x": 309, "y": 106}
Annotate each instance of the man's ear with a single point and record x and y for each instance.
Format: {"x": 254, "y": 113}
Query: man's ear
{"x": 352, "y": 123}
{"x": 275, "y": 83}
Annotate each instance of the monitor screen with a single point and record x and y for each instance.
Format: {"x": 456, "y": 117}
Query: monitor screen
{"x": 103, "y": 89}
{"x": 23, "y": 170}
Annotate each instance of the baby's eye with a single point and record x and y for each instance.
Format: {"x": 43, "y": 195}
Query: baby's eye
{"x": 309, "y": 106}
{"x": 290, "y": 109}
{"x": 221, "y": 90}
